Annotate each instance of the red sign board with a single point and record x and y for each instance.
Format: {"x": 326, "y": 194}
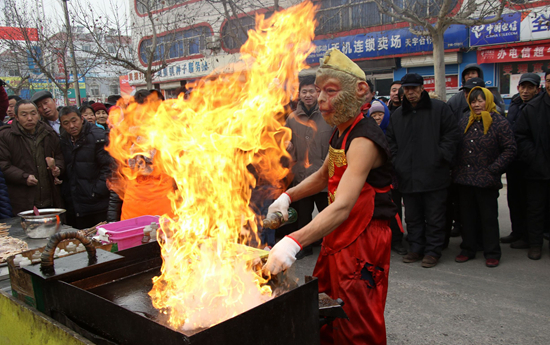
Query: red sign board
{"x": 451, "y": 83}
{"x": 125, "y": 88}
{"x": 18, "y": 34}
{"x": 528, "y": 53}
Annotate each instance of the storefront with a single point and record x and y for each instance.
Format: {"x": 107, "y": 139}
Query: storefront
{"x": 377, "y": 53}
{"x": 524, "y": 47}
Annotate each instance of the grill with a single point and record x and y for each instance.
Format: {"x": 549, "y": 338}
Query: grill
{"x": 107, "y": 302}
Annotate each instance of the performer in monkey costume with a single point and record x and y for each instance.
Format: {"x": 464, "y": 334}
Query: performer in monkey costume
{"x": 355, "y": 256}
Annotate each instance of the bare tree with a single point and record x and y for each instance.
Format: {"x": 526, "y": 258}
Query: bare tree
{"x": 111, "y": 31}
{"x": 48, "y": 49}
{"x": 16, "y": 66}
{"x": 433, "y": 17}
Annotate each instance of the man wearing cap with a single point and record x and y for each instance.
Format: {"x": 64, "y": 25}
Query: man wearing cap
{"x": 423, "y": 135}
{"x": 309, "y": 148}
{"x": 458, "y": 103}
{"x": 529, "y": 88}
{"x": 532, "y": 132}
{"x": 354, "y": 261}
{"x": 47, "y": 109}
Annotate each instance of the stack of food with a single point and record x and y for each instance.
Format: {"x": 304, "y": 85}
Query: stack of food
{"x": 8, "y": 245}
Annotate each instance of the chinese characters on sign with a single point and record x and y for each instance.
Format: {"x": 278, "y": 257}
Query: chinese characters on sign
{"x": 194, "y": 68}
{"x": 535, "y": 25}
{"x": 505, "y": 30}
{"x": 451, "y": 83}
{"x": 532, "y": 53}
{"x": 390, "y": 42}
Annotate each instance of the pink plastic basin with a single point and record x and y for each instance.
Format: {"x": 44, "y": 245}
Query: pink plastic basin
{"x": 128, "y": 233}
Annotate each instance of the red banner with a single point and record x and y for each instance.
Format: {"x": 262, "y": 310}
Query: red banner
{"x": 17, "y": 34}
{"x": 528, "y": 53}
{"x": 125, "y": 88}
{"x": 451, "y": 83}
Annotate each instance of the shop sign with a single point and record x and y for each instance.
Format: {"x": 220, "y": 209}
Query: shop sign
{"x": 125, "y": 88}
{"x": 186, "y": 69}
{"x": 504, "y": 31}
{"x": 389, "y": 42}
{"x": 529, "y": 53}
{"x": 451, "y": 83}
{"x": 535, "y": 25}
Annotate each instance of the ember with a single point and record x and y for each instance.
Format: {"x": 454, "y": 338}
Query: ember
{"x": 206, "y": 144}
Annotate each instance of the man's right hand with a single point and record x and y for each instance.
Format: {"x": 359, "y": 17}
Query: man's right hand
{"x": 281, "y": 205}
{"x": 32, "y": 181}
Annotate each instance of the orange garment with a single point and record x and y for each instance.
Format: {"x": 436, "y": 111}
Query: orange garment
{"x": 147, "y": 195}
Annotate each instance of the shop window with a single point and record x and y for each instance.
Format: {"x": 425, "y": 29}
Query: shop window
{"x": 345, "y": 15}
{"x": 235, "y": 31}
{"x": 511, "y": 72}
{"x": 176, "y": 44}
{"x": 113, "y": 90}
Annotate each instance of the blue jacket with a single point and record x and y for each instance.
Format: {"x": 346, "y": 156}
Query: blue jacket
{"x": 386, "y": 120}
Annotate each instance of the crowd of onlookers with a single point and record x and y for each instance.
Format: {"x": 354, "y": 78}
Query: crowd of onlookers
{"x": 449, "y": 158}
{"x": 55, "y": 157}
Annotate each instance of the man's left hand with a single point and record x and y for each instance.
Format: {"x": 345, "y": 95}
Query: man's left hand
{"x": 282, "y": 255}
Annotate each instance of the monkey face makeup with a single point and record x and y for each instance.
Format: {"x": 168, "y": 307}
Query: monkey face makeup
{"x": 338, "y": 101}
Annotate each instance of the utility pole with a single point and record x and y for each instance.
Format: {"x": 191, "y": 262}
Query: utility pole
{"x": 71, "y": 49}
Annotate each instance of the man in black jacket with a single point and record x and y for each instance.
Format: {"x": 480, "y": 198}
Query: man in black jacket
{"x": 423, "y": 135}
{"x": 528, "y": 87}
{"x": 532, "y": 131}
{"x": 88, "y": 165}
{"x": 458, "y": 102}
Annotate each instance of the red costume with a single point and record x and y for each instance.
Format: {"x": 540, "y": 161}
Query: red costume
{"x": 355, "y": 260}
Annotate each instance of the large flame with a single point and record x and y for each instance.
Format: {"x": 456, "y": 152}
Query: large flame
{"x": 208, "y": 145}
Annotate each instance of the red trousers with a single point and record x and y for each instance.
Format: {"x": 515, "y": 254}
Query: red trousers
{"x": 358, "y": 274}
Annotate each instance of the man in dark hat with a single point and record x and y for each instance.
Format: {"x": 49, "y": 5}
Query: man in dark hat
{"x": 423, "y": 134}
{"x": 529, "y": 89}
{"x": 458, "y": 103}
{"x": 47, "y": 108}
{"x": 532, "y": 133}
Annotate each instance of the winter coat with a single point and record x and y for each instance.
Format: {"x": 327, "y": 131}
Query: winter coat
{"x": 310, "y": 141}
{"x": 385, "y": 120}
{"x": 532, "y": 131}
{"x": 17, "y": 163}
{"x": 514, "y": 111}
{"x": 4, "y": 103}
{"x": 392, "y": 107}
{"x": 459, "y": 106}
{"x": 114, "y": 210}
{"x": 88, "y": 166}
{"x": 481, "y": 159}
{"x": 423, "y": 143}
{"x": 5, "y": 206}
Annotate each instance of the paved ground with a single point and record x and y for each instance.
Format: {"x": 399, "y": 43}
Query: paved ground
{"x": 467, "y": 303}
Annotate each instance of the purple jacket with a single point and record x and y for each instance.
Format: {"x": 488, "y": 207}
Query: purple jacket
{"x": 481, "y": 159}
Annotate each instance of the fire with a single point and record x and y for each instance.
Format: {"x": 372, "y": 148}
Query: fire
{"x": 207, "y": 145}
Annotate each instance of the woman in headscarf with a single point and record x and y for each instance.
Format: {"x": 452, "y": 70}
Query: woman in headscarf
{"x": 486, "y": 148}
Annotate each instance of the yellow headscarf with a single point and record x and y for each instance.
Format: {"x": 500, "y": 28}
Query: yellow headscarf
{"x": 485, "y": 116}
